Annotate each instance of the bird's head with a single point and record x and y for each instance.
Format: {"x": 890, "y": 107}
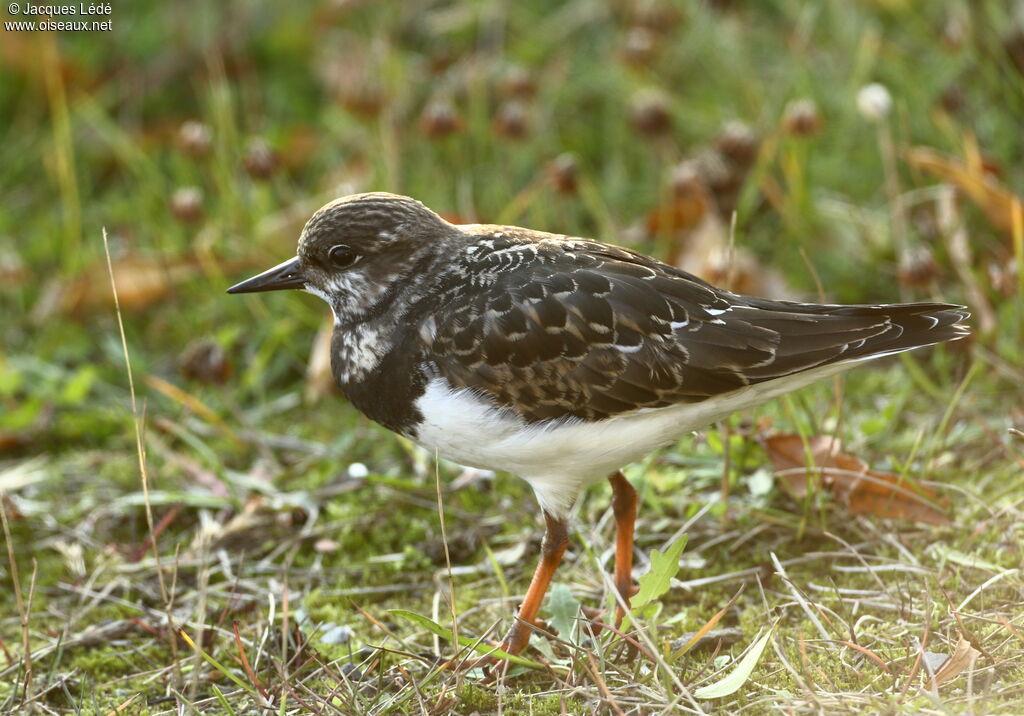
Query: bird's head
{"x": 355, "y": 249}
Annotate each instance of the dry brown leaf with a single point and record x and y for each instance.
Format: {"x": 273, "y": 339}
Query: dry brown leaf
{"x": 700, "y": 245}
{"x": 11, "y": 440}
{"x": 684, "y": 213}
{"x": 459, "y": 219}
{"x": 962, "y": 658}
{"x": 141, "y": 281}
{"x": 863, "y": 490}
{"x": 974, "y": 180}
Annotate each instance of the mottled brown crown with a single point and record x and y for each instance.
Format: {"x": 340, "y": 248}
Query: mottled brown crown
{"x": 370, "y": 220}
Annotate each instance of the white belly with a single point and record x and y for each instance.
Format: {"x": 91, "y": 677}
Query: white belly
{"x": 559, "y": 459}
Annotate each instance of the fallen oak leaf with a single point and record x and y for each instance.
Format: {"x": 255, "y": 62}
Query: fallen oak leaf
{"x": 790, "y": 456}
{"x": 864, "y": 491}
{"x": 882, "y": 494}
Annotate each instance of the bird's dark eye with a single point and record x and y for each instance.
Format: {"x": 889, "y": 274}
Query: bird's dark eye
{"x": 341, "y": 256}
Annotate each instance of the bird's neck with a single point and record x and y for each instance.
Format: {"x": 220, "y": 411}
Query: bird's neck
{"x": 377, "y": 356}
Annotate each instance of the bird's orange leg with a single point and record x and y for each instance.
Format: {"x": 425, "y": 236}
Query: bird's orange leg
{"x": 556, "y": 539}
{"x": 624, "y": 508}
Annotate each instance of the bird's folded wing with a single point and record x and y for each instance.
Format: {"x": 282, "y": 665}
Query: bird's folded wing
{"x": 573, "y": 328}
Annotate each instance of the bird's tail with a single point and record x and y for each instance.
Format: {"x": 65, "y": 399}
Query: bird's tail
{"x": 814, "y": 335}
{"x": 909, "y": 326}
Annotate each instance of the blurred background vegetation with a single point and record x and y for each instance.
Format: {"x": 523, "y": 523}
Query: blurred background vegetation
{"x": 734, "y": 139}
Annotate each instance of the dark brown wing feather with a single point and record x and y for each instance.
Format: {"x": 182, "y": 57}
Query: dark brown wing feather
{"x": 561, "y": 328}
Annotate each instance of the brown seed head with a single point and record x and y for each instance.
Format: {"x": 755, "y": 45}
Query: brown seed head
{"x": 260, "y": 160}
{"x": 952, "y": 98}
{"x": 918, "y": 267}
{"x": 363, "y": 100}
{"x": 1014, "y": 47}
{"x": 649, "y": 113}
{"x": 195, "y": 138}
{"x": 563, "y": 174}
{"x": 511, "y": 120}
{"x": 517, "y": 83}
{"x": 439, "y": 119}
{"x": 187, "y": 204}
{"x": 737, "y": 143}
{"x": 955, "y": 32}
{"x": 441, "y": 60}
{"x": 640, "y": 46}
{"x": 801, "y": 118}
{"x": 686, "y": 179}
{"x": 656, "y": 16}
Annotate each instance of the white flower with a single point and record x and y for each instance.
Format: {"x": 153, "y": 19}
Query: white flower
{"x": 874, "y": 102}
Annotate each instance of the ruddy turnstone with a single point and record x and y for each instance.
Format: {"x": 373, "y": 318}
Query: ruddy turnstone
{"x": 559, "y": 359}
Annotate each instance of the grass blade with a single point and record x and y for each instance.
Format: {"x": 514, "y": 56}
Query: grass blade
{"x": 445, "y": 633}
{"x": 731, "y": 682}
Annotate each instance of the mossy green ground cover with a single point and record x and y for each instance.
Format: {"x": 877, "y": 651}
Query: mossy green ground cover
{"x": 288, "y": 528}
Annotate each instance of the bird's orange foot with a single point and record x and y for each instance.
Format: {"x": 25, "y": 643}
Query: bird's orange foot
{"x": 513, "y": 643}
{"x": 518, "y": 638}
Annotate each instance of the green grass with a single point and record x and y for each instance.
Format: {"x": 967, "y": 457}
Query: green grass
{"x": 263, "y": 531}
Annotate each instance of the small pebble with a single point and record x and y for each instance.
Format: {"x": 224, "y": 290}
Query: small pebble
{"x": 337, "y": 634}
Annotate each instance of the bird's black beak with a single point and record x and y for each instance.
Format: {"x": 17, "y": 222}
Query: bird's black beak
{"x": 282, "y": 276}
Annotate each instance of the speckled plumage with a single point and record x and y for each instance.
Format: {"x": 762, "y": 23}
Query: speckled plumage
{"x": 549, "y": 330}
{"x": 558, "y": 327}
{"x": 559, "y": 359}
